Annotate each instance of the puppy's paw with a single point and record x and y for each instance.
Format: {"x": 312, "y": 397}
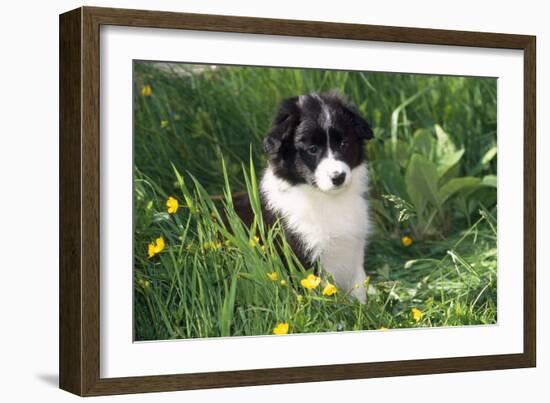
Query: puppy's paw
{"x": 359, "y": 292}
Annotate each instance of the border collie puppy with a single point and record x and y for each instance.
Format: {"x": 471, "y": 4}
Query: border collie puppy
{"x": 316, "y": 183}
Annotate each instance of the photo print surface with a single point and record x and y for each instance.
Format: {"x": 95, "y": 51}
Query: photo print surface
{"x": 277, "y": 201}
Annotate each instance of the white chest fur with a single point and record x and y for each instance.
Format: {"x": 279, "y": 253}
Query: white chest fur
{"x": 332, "y": 226}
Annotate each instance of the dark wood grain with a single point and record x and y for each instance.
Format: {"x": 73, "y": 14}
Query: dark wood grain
{"x": 80, "y": 196}
{"x": 305, "y": 374}
{"x": 70, "y": 271}
{"x": 90, "y": 202}
{"x": 530, "y": 203}
{"x": 316, "y": 29}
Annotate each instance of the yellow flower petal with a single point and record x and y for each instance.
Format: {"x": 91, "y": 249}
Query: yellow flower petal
{"x": 254, "y": 241}
{"x": 281, "y": 328}
{"x": 146, "y": 91}
{"x": 172, "y": 205}
{"x": 273, "y": 276}
{"x": 163, "y": 124}
{"x": 416, "y": 314}
{"x": 330, "y": 289}
{"x": 155, "y": 247}
{"x": 151, "y": 250}
{"x": 406, "y": 241}
{"x": 310, "y": 282}
{"x": 159, "y": 245}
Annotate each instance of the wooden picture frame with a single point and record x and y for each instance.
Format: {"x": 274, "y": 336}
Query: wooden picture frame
{"x": 80, "y": 184}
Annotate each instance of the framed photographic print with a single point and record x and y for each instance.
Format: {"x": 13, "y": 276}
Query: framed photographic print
{"x": 249, "y": 201}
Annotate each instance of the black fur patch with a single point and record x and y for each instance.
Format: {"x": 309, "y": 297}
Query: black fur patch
{"x": 304, "y": 128}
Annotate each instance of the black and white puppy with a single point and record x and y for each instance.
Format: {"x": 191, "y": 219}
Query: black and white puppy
{"x": 316, "y": 183}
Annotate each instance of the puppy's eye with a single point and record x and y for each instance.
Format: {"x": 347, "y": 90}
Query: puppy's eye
{"x": 312, "y": 149}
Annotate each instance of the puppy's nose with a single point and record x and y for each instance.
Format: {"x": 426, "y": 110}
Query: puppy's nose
{"x": 338, "y": 179}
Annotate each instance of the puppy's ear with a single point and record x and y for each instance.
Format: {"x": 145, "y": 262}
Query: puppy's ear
{"x": 358, "y": 124}
{"x": 354, "y": 119}
{"x": 271, "y": 144}
{"x": 284, "y": 123}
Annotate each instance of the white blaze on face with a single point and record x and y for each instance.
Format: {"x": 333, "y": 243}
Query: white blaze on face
{"x": 329, "y": 167}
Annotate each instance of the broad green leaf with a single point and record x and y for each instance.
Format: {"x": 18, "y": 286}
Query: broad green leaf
{"x": 402, "y": 151}
{"x": 447, "y": 163}
{"x": 456, "y": 185}
{"x": 452, "y": 172}
{"x": 421, "y": 180}
{"x": 489, "y": 180}
{"x": 391, "y": 177}
{"x": 484, "y": 162}
{"x": 489, "y": 155}
{"x": 424, "y": 143}
{"x": 447, "y": 156}
{"x": 445, "y": 145}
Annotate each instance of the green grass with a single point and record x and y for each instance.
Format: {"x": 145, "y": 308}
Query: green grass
{"x": 199, "y": 133}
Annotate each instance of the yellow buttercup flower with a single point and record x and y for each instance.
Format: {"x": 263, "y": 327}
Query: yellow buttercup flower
{"x": 151, "y": 250}
{"x": 155, "y": 247}
{"x": 146, "y": 91}
{"x": 311, "y": 281}
{"x": 416, "y": 314}
{"x": 281, "y": 328}
{"x": 366, "y": 283}
{"x": 406, "y": 241}
{"x": 273, "y": 276}
{"x": 283, "y": 283}
{"x": 330, "y": 289}
{"x": 214, "y": 245}
{"x": 163, "y": 124}
{"x": 254, "y": 241}
{"x": 172, "y": 205}
{"x": 143, "y": 283}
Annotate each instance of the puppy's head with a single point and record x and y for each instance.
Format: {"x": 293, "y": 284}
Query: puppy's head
{"x": 316, "y": 139}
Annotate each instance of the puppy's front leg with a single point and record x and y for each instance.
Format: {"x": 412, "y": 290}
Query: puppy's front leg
{"x": 359, "y": 291}
{"x": 344, "y": 260}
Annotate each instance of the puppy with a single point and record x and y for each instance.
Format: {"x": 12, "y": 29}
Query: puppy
{"x": 316, "y": 184}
